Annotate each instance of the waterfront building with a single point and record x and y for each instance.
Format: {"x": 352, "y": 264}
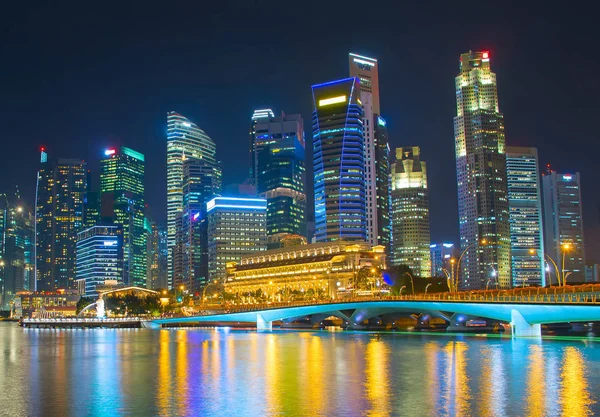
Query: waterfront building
{"x": 122, "y": 203}
{"x": 280, "y": 174}
{"x": 376, "y": 150}
{"x": 410, "y": 212}
{"x": 185, "y": 140}
{"x": 481, "y": 174}
{"x": 338, "y": 160}
{"x": 59, "y": 303}
{"x": 563, "y": 222}
{"x": 327, "y": 269}
{"x": 236, "y": 227}
{"x": 100, "y": 256}
{"x": 60, "y": 194}
{"x": 441, "y": 256}
{"x": 201, "y": 182}
{"x": 525, "y": 216}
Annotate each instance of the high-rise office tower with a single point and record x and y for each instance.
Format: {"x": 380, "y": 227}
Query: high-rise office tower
{"x": 410, "y": 212}
{"x": 61, "y": 188}
{"x": 441, "y": 256}
{"x": 201, "y": 182}
{"x": 91, "y": 211}
{"x": 236, "y": 227}
{"x": 563, "y": 223}
{"x": 338, "y": 159}
{"x": 376, "y": 151}
{"x": 152, "y": 253}
{"x": 525, "y": 216}
{"x": 280, "y": 177}
{"x": 481, "y": 172}
{"x": 185, "y": 140}
{"x": 122, "y": 203}
{"x": 99, "y": 256}
{"x": 259, "y": 117}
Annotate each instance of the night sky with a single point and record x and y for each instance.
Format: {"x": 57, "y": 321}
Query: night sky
{"x": 78, "y": 78}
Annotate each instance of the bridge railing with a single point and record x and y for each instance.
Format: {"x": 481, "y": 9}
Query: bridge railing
{"x": 580, "y": 298}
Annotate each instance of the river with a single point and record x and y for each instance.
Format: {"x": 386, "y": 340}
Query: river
{"x": 222, "y": 372}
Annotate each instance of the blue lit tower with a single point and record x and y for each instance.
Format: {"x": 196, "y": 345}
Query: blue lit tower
{"x": 185, "y": 140}
{"x": 280, "y": 174}
{"x": 338, "y": 158}
{"x": 481, "y": 175}
{"x": 525, "y": 215}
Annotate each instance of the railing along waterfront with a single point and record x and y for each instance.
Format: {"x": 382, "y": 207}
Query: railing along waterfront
{"x": 568, "y": 295}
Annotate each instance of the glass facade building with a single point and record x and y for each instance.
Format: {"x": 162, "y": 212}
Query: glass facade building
{"x": 279, "y": 149}
{"x": 563, "y": 223}
{"x": 185, "y": 140}
{"x": 236, "y": 227}
{"x": 99, "y": 256}
{"x": 338, "y": 160}
{"x": 525, "y": 215}
{"x": 122, "y": 203}
{"x": 410, "y": 212}
{"x": 441, "y": 254}
{"x": 60, "y": 194}
{"x": 481, "y": 175}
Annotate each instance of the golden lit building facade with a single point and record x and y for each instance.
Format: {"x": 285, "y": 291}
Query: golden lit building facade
{"x": 319, "y": 270}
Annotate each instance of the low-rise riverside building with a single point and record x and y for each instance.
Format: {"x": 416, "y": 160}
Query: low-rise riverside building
{"x": 319, "y": 270}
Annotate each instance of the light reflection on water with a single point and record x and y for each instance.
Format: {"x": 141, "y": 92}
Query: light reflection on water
{"x": 239, "y": 373}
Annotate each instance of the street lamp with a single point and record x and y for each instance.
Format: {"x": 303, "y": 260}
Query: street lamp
{"x": 557, "y": 272}
{"x": 427, "y": 287}
{"x": 565, "y": 248}
{"x": 412, "y": 283}
{"x": 401, "y": 288}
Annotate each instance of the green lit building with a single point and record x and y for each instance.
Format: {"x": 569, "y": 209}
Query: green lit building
{"x": 122, "y": 203}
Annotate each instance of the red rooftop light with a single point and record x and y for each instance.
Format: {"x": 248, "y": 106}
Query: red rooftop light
{"x": 486, "y": 55}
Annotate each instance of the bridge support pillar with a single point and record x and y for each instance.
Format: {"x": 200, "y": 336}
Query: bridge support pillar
{"x": 262, "y": 325}
{"x": 521, "y": 328}
{"x": 149, "y": 324}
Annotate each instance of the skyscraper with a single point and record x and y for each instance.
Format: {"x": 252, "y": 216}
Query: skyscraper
{"x": 185, "y": 140}
{"x": 410, "y": 212}
{"x": 236, "y": 227}
{"x": 338, "y": 158}
{"x": 99, "y": 256}
{"x": 525, "y": 215}
{"x": 441, "y": 255}
{"x": 61, "y": 188}
{"x": 259, "y": 117}
{"x": 122, "y": 203}
{"x": 279, "y": 150}
{"x": 481, "y": 175}
{"x": 376, "y": 151}
{"x": 563, "y": 223}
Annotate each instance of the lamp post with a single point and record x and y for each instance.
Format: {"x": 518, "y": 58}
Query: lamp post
{"x": 565, "y": 277}
{"x": 565, "y": 248}
{"x": 448, "y": 279}
{"x": 401, "y": 288}
{"x": 557, "y": 272}
{"x": 204, "y": 289}
{"x": 427, "y": 287}
{"x": 412, "y": 282}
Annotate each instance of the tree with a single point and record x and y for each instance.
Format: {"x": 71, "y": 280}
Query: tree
{"x": 83, "y": 303}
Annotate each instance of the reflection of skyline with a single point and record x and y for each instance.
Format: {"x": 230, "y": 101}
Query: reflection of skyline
{"x": 195, "y": 372}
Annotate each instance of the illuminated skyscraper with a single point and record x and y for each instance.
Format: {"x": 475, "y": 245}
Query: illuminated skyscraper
{"x": 338, "y": 158}
{"x": 61, "y": 188}
{"x": 259, "y": 126}
{"x": 280, "y": 172}
{"x": 563, "y": 223}
{"x": 236, "y": 227}
{"x": 185, "y": 140}
{"x": 410, "y": 212}
{"x": 481, "y": 172}
{"x": 525, "y": 215}
{"x": 441, "y": 254}
{"x": 376, "y": 151}
{"x": 122, "y": 203}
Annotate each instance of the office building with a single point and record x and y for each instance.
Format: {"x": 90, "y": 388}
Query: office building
{"x": 376, "y": 150}
{"x": 280, "y": 173}
{"x": 91, "y": 211}
{"x": 338, "y": 160}
{"x": 258, "y": 126}
{"x": 441, "y": 256}
{"x": 122, "y": 203}
{"x": 152, "y": 254}
{"x": 236, "y": 227}
{"x": 563, "y": 223}
{"x": 100, "y": 256}
{"x": 592, "y": 273}
{"x": 525, "y": 216}
{"x": 185, "y": 140}
{"x": 410, "y": 212}
{"x": 481, "y": 174}
{"x": 61, "y": 188}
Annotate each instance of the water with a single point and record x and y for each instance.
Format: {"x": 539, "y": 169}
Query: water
{"x": 289, "y": 373}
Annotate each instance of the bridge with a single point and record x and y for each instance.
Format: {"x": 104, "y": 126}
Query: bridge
{"x": 525, "y": 311}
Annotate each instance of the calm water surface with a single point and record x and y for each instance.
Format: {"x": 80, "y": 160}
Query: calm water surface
{"x": 237, "y": 373}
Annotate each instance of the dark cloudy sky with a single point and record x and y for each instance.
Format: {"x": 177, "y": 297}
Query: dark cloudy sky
{"x": 80, "y": 76}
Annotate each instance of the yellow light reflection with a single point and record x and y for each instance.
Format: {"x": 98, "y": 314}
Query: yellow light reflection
{"x": 458, "y": 395}
{"x": 272, "y": 390}
{"x": 574, "y": 395}
{"x": 536, "y": 383}
{"x": 316, "y": 396}
{"x": 164, "y": 371}
{"x": 431, "y": 354}
{"x": 181, "y": 373}
{"x": 377, "y": 381}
